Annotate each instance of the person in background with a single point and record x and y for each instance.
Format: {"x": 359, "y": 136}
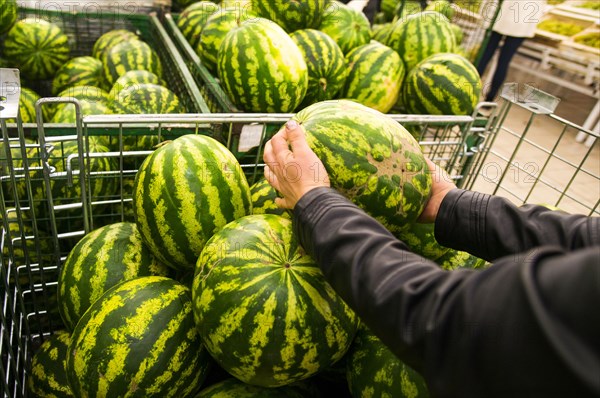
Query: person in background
{"x": 369, "y": 7}
{"x": 516, "y": 21}
{"x": 528, "y": 326}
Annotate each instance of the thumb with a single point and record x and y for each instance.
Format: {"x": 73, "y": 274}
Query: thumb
{"x": 294, "y": 133}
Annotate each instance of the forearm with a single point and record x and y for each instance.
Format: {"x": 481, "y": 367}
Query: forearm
{"x": 491, "y": 227}
{"x": 389, "y": 287}
{"x": 461, "y": 329}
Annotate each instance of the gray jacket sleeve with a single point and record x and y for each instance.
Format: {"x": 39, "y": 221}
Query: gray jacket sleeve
{"x": 526, "y": 327}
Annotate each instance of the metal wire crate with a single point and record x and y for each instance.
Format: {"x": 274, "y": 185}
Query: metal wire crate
{"x": 535, "y": 157}
{"x": 84, "y": 27}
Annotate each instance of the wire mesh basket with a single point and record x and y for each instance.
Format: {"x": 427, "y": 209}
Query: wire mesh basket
{"x": 83, "y": 28}
{"x": 535, "y": 156}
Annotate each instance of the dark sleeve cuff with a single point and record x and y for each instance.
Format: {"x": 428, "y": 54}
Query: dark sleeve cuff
{"x": 461, "y": 221}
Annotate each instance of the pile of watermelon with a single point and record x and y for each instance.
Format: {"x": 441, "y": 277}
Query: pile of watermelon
{"x": 122, "y": 74}
{"x": 411, "y": 63}
{"x": 208, "y": 292}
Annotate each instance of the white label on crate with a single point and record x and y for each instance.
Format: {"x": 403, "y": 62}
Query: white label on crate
{"x": 10, "y": 90}
{"x": 250, "y": 137}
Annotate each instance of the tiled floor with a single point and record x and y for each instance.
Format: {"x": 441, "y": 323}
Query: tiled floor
{"x": 549, "y": 166}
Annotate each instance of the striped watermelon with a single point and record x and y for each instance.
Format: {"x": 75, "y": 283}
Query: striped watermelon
{"x": 348, "y": 27}
{"x": 375, "y": 76}
{"x": 454, "y": 259}
{"x": 263, "y": 308}
{"x": 444, "y": 7}
{"x": 217, "y": 26}
{"x": 101, "y": 259}
{"x": 292, "y": 15}
{"x": 130, "y": 55}
{"x": 374, "y": 371}
{"x": 109, "y": 39}
{"x": 184, "y": 192}
{"x": 38, "y": 47}
{"x": 261, "y": 68}
{"x": 406, "y": 9}
{"x": 47, "y": 377}
{"x": 62, "y": 193}
{"x": 243, "y": 6}
{"x": 263, "y": 199}
{"x": 89, "y": 93}
{"x": 134, "y": 78}
{"x": 443, "y": 84}
{"x": 326, "y": 65}
{"x": 79, "y": 71}
{"x": 388, "y": 8}
{"x": 27, "y": 102}
{"x": 370, "y": 159}
{"x": 380, "y": 33}
{"x": 458, "y": 34}
{"x": 8, "y": 15}
{"x": 233, "y": 388}
{"x": 420, "y": 238}
{"x": 65, "y": 113}
{"x": 147, "y": 98}
{"x": 193, "y": 18}
{"x": 421, "y": 35}
{"x": 138, "y": 339}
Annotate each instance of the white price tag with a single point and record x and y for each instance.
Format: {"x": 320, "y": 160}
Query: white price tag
{"x": 250, "y": 137}
{"x": 10, "y": 91}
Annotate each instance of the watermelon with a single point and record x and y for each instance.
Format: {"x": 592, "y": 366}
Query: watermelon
{"x": 291, "y": 15}
{"x": 370, "y": 158}
{"x": 147, "y": 98}
{"x": 8, "y": 15}
{"x": 420, "y": 238}
{"x": 130, "y": 55}
{"x": 388, "y": 8}
{"x": 325, "y": 62}
{"x": 38, "y": 47}
{"x": 79, "y": 71}
{"x": 263, "y": 199}
{"x": 91, "y": 94}
{"x": 193, "y": 18}
{"x": 454, "y": 259}
{"x": 374, "y": 371}
{"x": 27, "y": 102}
{"x": 184, "y": 192}
{"x": 65, "y": 113}
{"x": 62, "y": 193}
{"x": 261, "y": 68}
{"x": 217, "y": 26}
{"x": 444, "y": 7}
{"x": 134, "y": 78}
{"x": 421, "y": 35}
{"x": 348, "y": 27}
{"x": 101, "y": 259}
{"x": 263, "y": 308}
{"x": 380, "y": 33}
{"x": 137, "y": 339}
{"x": 375, "y": 76}
{"x": 406, "y": 8}
{"x": 231, "y": 388}
{"x": 109, "y": 39}
{"x": 443, "y": 84}
{"x": 458, "y": 33}
{"x": 47, "y": 377}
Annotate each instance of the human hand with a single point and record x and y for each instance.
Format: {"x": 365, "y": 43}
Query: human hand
{"x": 292, "y": 172}
{"x": 442, "y": 184}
